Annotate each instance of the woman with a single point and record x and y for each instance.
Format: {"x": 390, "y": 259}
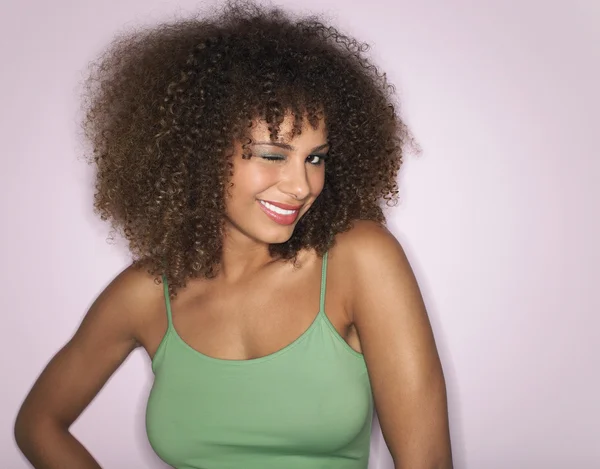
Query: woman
{"x": 244, "y": 157}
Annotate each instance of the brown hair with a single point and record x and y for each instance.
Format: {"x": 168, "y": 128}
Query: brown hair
{"x": 163, "y": 106}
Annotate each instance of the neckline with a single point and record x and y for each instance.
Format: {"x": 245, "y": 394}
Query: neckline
{"x": 249, "y": 361}
{"x": 225, "y": 361}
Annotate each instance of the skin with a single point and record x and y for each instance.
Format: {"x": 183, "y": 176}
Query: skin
{"x": 373, "y": 301}
{"x": 295, "y": 177}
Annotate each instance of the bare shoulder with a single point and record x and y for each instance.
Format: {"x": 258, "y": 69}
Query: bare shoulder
{"x": 129, "y": 299}
{"x": 370, "y": 256}
{"x": 367, "y": 245}
{"x": 135, "y": 281}
{"x": 135, "y": 288}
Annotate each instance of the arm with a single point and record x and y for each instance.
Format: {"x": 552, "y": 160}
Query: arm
{"x": 400, "y": 352}
{"x": 78, "y": 371}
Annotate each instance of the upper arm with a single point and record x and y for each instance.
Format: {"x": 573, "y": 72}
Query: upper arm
{"x": 104, "y": 339}
{"x": 399, "y": 349}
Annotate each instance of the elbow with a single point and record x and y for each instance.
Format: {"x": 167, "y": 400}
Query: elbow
{"x": 24, "y": 430}
{"x": 32, "y": 429}
{"x": 21, "y": 429}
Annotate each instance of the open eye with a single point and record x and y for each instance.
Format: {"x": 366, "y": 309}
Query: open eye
{"x": 317, "y": 159}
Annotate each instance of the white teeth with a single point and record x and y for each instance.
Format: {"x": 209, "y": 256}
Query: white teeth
{"x": 277, "y": 209}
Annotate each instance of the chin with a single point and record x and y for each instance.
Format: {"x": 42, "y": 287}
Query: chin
{"x": 283, "y": 235}
{"x": 265, "y": 232}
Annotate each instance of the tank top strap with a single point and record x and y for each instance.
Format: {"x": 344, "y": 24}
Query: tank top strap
{"x": 323, "y": 283}
{"x": 167, "y": 301}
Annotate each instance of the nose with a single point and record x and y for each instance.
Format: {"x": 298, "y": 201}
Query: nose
{"x": 295, "y": 181}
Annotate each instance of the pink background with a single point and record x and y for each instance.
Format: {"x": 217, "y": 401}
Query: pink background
{"x": 499, "y": 216}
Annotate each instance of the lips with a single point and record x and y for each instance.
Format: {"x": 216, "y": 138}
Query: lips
{"x": 283, "y": 206}
{"x": 280, "y": 218}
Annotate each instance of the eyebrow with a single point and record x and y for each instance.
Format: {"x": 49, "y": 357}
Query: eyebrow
{"x": 289, "y": 147}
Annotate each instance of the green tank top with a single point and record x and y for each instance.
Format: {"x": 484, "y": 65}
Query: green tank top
{"x": 306, "y": 406}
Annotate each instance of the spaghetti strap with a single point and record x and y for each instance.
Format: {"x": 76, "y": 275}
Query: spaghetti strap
{"x": 167, "y": 301}
{"x": 323, "y": 284}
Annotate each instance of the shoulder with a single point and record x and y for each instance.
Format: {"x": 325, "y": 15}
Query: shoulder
{"x": 372, "y": 258}
{"x": 364, "y": 230}
{"x": 367, "y": 244}
{"x": 128, "y": 300}
{"x": 134, "y": 286}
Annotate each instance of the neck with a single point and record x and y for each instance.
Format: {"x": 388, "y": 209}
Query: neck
{"x": 243, "y": 257}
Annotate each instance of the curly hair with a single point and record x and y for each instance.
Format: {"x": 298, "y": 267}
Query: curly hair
{"x": 164, "y": 104}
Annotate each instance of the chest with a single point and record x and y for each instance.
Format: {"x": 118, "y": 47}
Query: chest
{"x": 256, "y": 318}
{"x": 314, "y": 401}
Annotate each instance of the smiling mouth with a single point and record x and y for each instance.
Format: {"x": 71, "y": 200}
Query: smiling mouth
{"x": 279, "y": 215}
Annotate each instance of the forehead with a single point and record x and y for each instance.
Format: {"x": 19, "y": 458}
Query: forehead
{"x": 260, "y": 130}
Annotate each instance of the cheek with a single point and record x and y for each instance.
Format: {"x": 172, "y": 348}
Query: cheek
{"x": 248, "y": 182}
{"x": 317, "y": 181}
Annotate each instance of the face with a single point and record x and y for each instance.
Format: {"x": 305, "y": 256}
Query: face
{"x": 275, "y": 188}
